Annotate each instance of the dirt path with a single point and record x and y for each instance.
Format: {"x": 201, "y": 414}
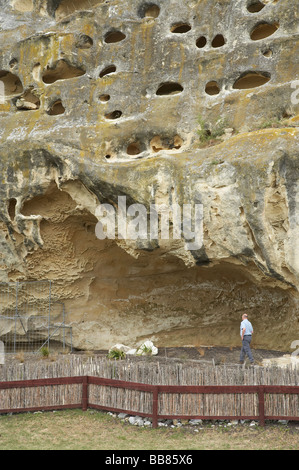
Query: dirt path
{"x": 218, "y": 355}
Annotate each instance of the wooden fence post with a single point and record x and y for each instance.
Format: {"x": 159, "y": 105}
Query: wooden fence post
{"x": 155, "y": 406}
{"x": 261, "y": 395}
{"x": 85, "y": 393}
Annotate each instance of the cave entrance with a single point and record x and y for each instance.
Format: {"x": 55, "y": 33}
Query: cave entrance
{"x": 115, "y": 294}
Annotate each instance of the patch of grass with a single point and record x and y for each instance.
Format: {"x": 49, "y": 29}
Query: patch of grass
{"x": 273, "y": 123}
{"x": 94, "y": 430}
{"x": 276, "y": 123}
{"x": 216, "y": 162}
{"x": 209, "y": 135}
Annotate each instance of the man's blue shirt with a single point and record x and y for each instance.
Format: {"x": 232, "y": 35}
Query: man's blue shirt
{"x": 248, "y": 327}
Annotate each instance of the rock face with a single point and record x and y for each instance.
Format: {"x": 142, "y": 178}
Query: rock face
{"x": 162, "y": 102}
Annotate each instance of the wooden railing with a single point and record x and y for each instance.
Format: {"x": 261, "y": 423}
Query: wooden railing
{"x": 23, "y": 401}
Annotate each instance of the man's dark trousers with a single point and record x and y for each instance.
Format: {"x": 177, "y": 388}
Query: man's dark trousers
{"x": 246, "y": 349}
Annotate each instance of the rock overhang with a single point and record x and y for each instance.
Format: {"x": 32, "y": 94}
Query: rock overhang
{"x": 157, "y": 70}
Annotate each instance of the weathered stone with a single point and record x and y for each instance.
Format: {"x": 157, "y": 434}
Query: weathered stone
{"x": 136, "y": 420}
{"x": 195, "y": 422}
{"x": 123, "y": 89}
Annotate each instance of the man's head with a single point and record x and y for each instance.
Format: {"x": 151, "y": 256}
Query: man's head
{"x": 244, "y": 316}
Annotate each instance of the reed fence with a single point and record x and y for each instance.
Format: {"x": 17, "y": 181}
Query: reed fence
{"x": 153, "y": 389}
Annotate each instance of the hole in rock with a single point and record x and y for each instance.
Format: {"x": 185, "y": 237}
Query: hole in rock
{"x": 201, "y": 42}
{"x": 61, "y": 71}
{"x": 267, "y": 53}
{"x": 12, "y": 208}
{"x": 212, "y": 88}
{"x": 180, "y": 28}
{"x": 114, "y": 36}
{"x": 114, "y": 115}
{"x": 84, "y": 42}
{"x": 107, "y": 156}
{"x": 159, "y": 143}
{"x": 67, "y": 7}
{"x": 108, "y": 70}
{"x": 28, "y": 101}
{"x": 56, "y": 108}
{"x": 13, "y": 63}
{"x": 134, "y": 148}
{"x": 286, "y": 114}
{"x": 169, "y": 88}
{"x": 22, "y": 5}
{"x": 218, "y": 41}
{"x": 104, "y": 98}
{"x": 255, "y": 6}
{"x": 36, "y": 72}
{"x": 251, "y": 80}
{"x": 150, "y": 11}
{"x": 263, "y": 30}
{"x": 12, "y": 84}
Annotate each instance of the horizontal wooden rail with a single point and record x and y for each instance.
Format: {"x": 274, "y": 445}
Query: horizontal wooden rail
{"x": 41, "y": 382}
{"x": 121, "y": 384}
{"x": 85, "y": 381}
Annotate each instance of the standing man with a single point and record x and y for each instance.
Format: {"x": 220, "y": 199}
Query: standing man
{"x": 246, "y": 331}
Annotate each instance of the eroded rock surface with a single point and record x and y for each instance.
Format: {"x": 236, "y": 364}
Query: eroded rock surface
{"x": 105, "y": 99}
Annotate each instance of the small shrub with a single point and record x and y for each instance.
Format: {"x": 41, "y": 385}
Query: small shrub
{"x": 144, "y": 350}
{"x": 116, "y": 354}
{"x": 206, "y": 135}
{"x": 45, "y": 351}
{"x": 203, "y": 132}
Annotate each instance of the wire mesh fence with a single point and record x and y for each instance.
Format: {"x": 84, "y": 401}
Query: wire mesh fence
{"x": 29, "y": 320}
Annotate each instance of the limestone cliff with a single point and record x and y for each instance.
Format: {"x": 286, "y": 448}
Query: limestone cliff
{"x": 162, "y": 101}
